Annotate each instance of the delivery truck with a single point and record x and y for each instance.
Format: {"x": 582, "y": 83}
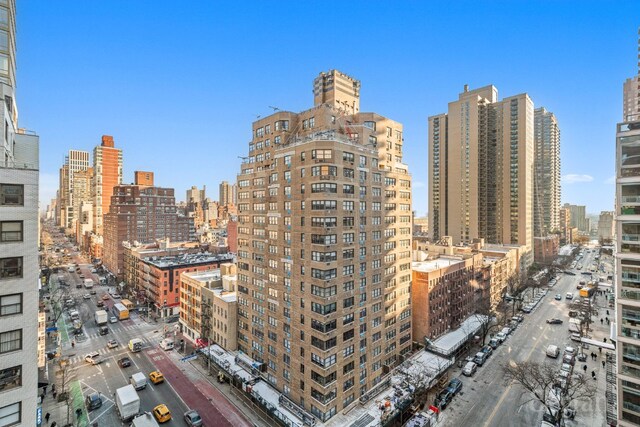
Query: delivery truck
{"x": 127, "y": 402}
{"x": 101, "y": 317}
{"x": 88, "y": 283}
{"x": 135, "y": 345}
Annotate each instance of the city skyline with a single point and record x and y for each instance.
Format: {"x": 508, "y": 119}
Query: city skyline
{"x": 209, "y": 79}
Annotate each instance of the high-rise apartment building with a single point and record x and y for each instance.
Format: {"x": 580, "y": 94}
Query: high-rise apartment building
{"x": 195, "y": 195}
{"x": 481, "y": 157}
{"x": 107, "y": 166}
{"x": 324, "y": 241}
{"x": 623, "y": 403}
{"x": 606, "y": 226}
{"x": 628, "y": 272}
{"x": 578, "y": 217}
{"x": 20, "y": 337}
{"x": 631, "y": 94}
{"x": 75, "y": 161}
{"x": 226, "y": 193}
{"x": 546, "y": 182}
{"x": 141, "y": 213}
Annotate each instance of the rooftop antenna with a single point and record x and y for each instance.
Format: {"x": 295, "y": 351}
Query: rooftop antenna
{"x": 274, "y": 108}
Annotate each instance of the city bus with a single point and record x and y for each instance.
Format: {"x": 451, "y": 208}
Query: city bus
{"x": 127, "y": 304}
{"x": 120, "y": 311}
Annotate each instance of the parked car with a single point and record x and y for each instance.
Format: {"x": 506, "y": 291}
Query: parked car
{"x": 487, "y": 349}
{"x": 455, "y": 385}
{"x": 442, "y": 399}
{"x": 576, "y": 337}
{"x": 500, "y": 336}
{"x": 480, "y": 358}
{"x": 469, "y": 369}
{"x": 494, "y": 343}
{"x": 554, "y": 321}
{"x": 518, "y": 318}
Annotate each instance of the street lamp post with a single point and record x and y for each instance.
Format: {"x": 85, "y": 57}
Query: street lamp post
{"x": 164, "y": 319}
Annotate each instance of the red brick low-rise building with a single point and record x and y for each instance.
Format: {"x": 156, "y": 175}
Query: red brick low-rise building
{"x": 445, "y": 291}
{"x": 158, "y": 278}
{"x": 545, "y": 249}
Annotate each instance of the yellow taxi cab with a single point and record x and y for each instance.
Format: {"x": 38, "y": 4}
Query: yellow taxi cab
{"x": 162, "y": 413}
{"x": 156, "y": 377}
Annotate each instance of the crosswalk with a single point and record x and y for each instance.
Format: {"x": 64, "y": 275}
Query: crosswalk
{"x": 108, "y": 352}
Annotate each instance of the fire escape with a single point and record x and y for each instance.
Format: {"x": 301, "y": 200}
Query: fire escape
{"x": 611, "y": 392}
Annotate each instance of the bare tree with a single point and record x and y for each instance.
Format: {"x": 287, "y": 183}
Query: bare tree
{"x": 67, "y": 375}
{"x": 540, "y": 380}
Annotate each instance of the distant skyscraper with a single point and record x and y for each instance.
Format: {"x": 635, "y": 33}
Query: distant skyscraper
{"x": 546, "y": 198}
{"x": 195, "y": 195}
{"x": 578, "y": 217}
{"x": 225, "y": 193}
{"x": 21, "y": 339}
{"x": 324, "y": 249}
{"x": 76, "y": 160}
{"x": 481, "y": 170}
{"x": 107, "y": 166}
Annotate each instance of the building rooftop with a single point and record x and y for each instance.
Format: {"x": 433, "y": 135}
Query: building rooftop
{"x": 186, "y": 259}
{"x": 433, "y": 265}
{"x": 449, "y": 343}
{"x": 205, "y": 276}
{"x": 225, "y": 296}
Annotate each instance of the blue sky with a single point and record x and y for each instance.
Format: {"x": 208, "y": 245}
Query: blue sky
{"x": 178, "y": 83}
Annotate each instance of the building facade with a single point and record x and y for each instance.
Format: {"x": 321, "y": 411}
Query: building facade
{"x": 481, "y": 158}
{"x": 107, "y": 166}
{"x": 628, "y": 272}
{"x": 141, "y": 213}
{"x": 547, "y": 190}
{"x": 75, "y": 161}
{"x": 208, "y": 307}
{"x": 546, "y": 249}
{"x": 565, "y": 225}
{"x": 20, "y": 337}
{"x": 578, "y": 217}
{"x": 324, "y": 241}
{"x": 631, "y": 99}
{"x": 444, "y": 293}
{"x": 606, "y": 226}
{"x": 159, "y": 278}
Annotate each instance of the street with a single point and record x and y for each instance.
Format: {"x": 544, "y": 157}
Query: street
{"x": 180, "y": 391}
{"x": 488, "y": 400}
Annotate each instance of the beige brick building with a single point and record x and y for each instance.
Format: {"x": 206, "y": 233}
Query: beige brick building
{"x": 324, "y": 248}
{"x": 481, "y": 169}
{"x": 208, "y": 306}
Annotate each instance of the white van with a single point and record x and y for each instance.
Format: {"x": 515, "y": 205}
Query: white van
{"x": 166, "y": 344}
{"x": 553, "y": 351}
{"x": 138, "y": 381}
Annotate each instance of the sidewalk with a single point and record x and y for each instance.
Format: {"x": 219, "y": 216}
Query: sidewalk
{"x": 197, "y": 374}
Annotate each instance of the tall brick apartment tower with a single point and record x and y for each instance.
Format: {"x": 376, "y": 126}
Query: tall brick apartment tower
{"x": 107, "y": 166}
{"x": 324, "y": 241}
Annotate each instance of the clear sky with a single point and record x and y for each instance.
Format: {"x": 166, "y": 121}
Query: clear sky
{"x": 178, "y": 83}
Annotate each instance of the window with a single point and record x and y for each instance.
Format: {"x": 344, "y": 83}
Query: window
{"x": 10, "y": 378}
{"x": 321, "y": 154}
{"x": 10, "y": 304}
{"x": 11, "y": 195}
{"x": 11, "y": 231}
{"x": 10, "y": 341}
{"x": 10, "y": 267}
{"x": 11, "y": 415}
